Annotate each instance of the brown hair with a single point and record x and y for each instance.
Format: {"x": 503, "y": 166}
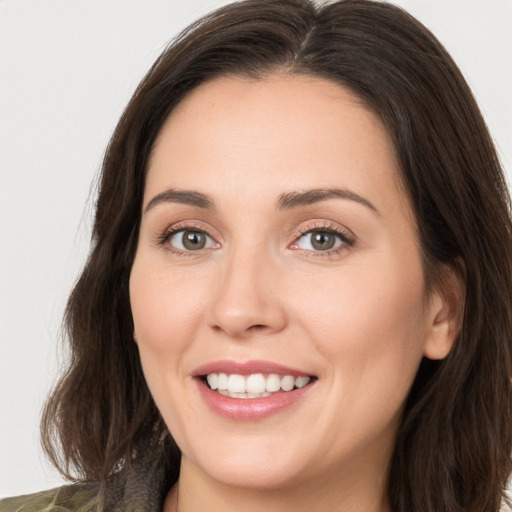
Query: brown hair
{"x": 453, "y": 447}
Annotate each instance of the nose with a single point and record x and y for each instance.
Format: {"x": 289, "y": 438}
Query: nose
{"x": 247, "y": 300}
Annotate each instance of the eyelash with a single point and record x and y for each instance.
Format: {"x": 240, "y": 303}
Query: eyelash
{"x": 347, "y": 239}
{"x": 173, "y": 230}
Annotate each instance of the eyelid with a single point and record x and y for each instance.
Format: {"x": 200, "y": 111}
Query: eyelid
{"x": 162, "y": 237}
{"x": 347, "y": 237}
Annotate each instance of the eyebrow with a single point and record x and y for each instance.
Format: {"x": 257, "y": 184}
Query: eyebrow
{"x": 295, "y": 199}
{"x": 286, "y": 201}
{"x": 189, "y": 197}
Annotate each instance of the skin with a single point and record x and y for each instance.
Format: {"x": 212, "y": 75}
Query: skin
{"x": 357, "y": 317}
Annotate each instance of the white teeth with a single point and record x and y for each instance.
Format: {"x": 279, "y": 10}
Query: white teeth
{"x": 287, "y": 383}
{"x": 236, "y": 383}
{"x": 245, "y": 395}
{"x": 222, "y": 382}
{"x": 255, "y": 383}
{"x": 300, "y": 382}
{"x": 253, "y": 386}
{"x": 213, "y": 380}
{"x": 273, "y": 383}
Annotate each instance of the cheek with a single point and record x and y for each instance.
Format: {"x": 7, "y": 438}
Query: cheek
{"x": 165, "y": 307}
{"x": 165, "y": 314}
{"x": 369, "y": 325}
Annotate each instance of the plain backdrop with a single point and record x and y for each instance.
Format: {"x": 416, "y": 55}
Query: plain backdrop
{"x": 67, "y": 69}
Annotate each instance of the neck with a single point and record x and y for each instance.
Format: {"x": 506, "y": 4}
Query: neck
{"x": 352, "y": 492}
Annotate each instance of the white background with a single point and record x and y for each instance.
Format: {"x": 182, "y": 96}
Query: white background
{"x": 67, "y": 68}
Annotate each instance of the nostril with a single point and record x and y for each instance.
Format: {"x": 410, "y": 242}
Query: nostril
{"x": 257, "y": 327}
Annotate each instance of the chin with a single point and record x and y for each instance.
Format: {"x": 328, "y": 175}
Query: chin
{"x": 261, "y": 468}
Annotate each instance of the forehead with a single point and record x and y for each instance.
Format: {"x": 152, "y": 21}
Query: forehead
{"x": 247, "y": 136}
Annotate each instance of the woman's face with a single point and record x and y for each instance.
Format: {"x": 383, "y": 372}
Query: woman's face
{"x": 277, "y": 250}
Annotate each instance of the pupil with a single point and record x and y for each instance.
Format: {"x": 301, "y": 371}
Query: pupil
{"x": 193, "y": 240}
{"x": 322, "y": 241}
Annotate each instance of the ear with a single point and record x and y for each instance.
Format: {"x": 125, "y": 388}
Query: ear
{"x": 446, "y": 308}
{"x": 135, "y": 337}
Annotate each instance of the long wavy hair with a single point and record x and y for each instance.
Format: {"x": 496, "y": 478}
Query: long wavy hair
{"x": 453, "y": 446}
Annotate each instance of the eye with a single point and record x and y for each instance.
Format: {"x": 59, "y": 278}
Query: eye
{"x": 321, "y": 241}
{"x": 190, "y": 240}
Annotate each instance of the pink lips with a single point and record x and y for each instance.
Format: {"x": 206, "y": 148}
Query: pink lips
{"x": 246, "y": 368}
{"x": 250, "y": 409}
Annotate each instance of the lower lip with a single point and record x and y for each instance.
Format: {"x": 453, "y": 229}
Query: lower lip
{"x": 250, "y": 409}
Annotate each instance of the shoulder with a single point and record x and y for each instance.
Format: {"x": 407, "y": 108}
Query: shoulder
{"x": 80, "y": 497}
{"x": 141, "y": 486}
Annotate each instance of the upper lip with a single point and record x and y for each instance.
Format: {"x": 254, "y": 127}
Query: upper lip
{"x": 247, "y": 368}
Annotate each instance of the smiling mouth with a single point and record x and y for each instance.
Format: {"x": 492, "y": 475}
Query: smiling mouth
{"x": 258, "y": 385}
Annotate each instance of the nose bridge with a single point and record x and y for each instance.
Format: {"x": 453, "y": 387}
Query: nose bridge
{"x": 245, "y": 300}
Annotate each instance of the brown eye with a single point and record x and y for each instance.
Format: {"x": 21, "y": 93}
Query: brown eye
{"x": 191, "y": 240}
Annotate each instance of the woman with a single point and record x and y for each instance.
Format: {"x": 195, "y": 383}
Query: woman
{"x": 298, "y": 296}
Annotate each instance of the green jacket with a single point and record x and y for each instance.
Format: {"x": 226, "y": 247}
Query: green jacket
{"x": 140, "y": 488}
